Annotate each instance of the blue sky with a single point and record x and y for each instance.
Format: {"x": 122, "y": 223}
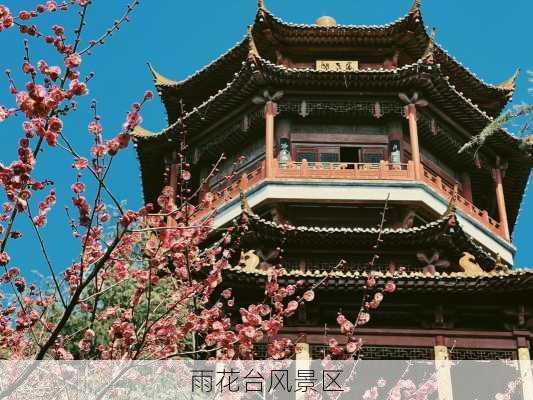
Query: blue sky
{"x": 179, "y": 37}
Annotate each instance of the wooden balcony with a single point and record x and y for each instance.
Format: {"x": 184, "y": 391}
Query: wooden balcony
{"x": 382, "y": 171}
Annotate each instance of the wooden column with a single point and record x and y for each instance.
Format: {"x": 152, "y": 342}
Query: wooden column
{"x": 303, "y": 360}
{"x": 443, "y": 373}
{"x": 526, "y": 374}
{"x": 413, "y": 138}
{"x": 303, "y": 351}
{"x": 467, "y": 186}
{"x": 500, "y": 200}
{"x": 270, "y": 113}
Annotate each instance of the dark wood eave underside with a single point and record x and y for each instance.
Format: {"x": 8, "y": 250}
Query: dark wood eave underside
{"x": 435, "y": 234}
{"x": 259, "y": 73}
{"x": 514, "y": 281}
{"x": 271, "y": 32}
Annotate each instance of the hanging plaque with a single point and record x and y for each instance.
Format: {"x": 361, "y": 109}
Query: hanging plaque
{"x": 337, "y": 65}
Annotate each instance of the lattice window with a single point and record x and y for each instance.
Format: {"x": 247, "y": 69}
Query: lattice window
{"x": 482, "y": 354}
{"x": 317, "y": 351}
{"x": 383, "y": 352}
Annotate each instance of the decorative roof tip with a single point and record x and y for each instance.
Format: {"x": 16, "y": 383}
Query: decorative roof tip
{"x": 261, "y": 5}
{"x": 415, "y": 8}
{"x": 450, "y": 211}
{"x": 160, "y": 80}
{"x": 245, "y": 206}
{"x": 252, "y": 48}
{"x": 510, "y": 84}
{"x": 139, "y": 131}
{"x": 429, "y": 54}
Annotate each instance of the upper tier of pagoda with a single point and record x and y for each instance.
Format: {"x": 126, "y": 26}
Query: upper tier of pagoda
{"x": 220, "y": 114}
{"x": 296, "y": 46}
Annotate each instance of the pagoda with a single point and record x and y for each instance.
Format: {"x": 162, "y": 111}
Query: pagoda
{"x": 339, "y": 125}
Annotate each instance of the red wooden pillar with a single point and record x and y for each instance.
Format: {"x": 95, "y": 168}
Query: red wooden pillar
{"x": 270, "y": 113}
{"x": 500, "y": 201}
{"x": 413, "y": 138}
{"x": 467, "y": 187}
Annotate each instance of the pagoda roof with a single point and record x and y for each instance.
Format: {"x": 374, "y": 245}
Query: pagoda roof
{"x": 257, "y": 73}
{"x": 269, "y": 33}
{"x": 510, "y": 281}
{"x": 443, "y": 233}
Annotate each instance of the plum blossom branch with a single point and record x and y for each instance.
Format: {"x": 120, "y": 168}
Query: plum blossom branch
{"x": 116, "y": 26}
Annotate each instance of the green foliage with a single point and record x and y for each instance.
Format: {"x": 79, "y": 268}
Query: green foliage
{"x": 478, "y": 141}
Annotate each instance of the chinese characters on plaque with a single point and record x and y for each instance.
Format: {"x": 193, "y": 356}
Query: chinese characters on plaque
{"x": 337, "y": 65}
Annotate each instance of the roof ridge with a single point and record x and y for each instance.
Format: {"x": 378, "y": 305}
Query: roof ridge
{"x": 306, "y": 228}
{"x": 413, "y": 11}
{"x": 205, "y": 103}
{"x": 217, "y": 60}
{"x": 445, "y": 52}
{"x": 405, "y": 274}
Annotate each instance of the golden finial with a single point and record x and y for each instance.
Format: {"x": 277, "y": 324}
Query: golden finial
{"x": 261, "y": 4}
{"x": 326, "y": 21}
{"x": 510, "y": 84}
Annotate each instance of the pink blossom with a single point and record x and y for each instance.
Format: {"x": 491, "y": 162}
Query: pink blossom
{"x": 6, "y": 19}
{"x": 128, "y": 218}
{"x": 78, "y": 88}
{"x": 363, "y": 319}
{"x": 98, "y": 150}
{"x": 78, "y": 187}
{"x": 4, "y": 113}
{"x": 351, "y": 347}
{"x": 292, "y": 306}
{"x": 95, "y": 128}
{"x": 309, "y": 295}
{"x": 390, "y": 287}
{"x": 113, "y": 146}
{"x": 4, "y": 258}
{"x": 73, "y": 60}
{"x": 80, "y": 163}
{"x": 51, "y": 138}
{"x": 24, "y": 15}
{"x": 370, "y": 394}
{"x": 55, "y": 124}
{"x": 20, "y": 284}
{"x": 148, "y": 95}
{"x": 133, "y": 119}
{"x": 51, "y": 5}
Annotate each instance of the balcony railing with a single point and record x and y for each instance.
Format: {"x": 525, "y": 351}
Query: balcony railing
{"x": 384, "y": 171}
{"x": 339, "y": 170}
